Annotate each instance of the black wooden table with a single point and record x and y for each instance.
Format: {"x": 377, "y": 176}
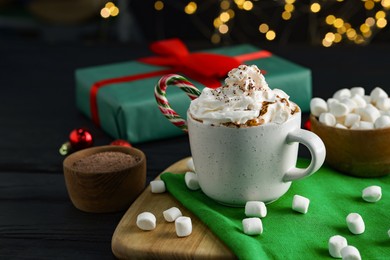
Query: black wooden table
{"x": 37, "y": 112}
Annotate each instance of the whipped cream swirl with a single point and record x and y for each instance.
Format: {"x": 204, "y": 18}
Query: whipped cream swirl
{"x": 244, "y": 99}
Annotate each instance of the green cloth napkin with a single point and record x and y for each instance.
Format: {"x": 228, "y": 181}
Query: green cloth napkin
{"x": 291, "y": 235}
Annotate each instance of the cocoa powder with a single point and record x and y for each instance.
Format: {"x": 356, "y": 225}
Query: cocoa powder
{"x": 104, "y": 162}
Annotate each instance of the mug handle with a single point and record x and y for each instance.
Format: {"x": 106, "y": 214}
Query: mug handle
{"x": 162, "y": 101}
{"x": 317, "y": 151}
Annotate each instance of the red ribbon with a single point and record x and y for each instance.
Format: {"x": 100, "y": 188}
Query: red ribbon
{"x": 206, "y": 68}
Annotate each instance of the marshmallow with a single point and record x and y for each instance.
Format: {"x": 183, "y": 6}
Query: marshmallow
{"x": 183, "y": 226}
{"x": 385, "y": 113}
{"x": 383, "y": 103}
{"x": 157, "y": 186}
{"x": 255, "y": 209}
{"x": 172, "y": 214}
{"x": 190, "y": 165}
{"x": 338, "y": 125}
{"x": 382, "y": 122}
{"x": 340, "y": 120}
{"x": 377, "y": 93}
{"x": 368, "y": 113}
{"x": 350, "y": 103}
{"x": 191, "y": 180}
{"x": 335, "y": 244}
{"x": 252, "y": 226}
{"x": 355, "y": 223}
{"x": 146, "y": 221}
{"x": 357, "y": 91}
{"x": 359, "y": 100}
{"x": 350, "y": 253}
{"x": 300, "y": 204}
{"x": 372, "y": 193}
{"x": 351, "y": 119}
{"x": 367, "y": 99}
{"x": 355, "y": 126}
{"x": 318, "y": 106}
{"x": 353, "y": 109}
{"x": 327, "y": 119}
{"x": 363, "y": 125}
{"x": 342, "y": 93}
{"x": 338, "y": 109}
{"x": 330, "y": 101}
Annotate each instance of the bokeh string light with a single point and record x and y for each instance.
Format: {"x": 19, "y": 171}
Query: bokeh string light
{"x": 327, "y": 22}
{"x": 109, "y": 9}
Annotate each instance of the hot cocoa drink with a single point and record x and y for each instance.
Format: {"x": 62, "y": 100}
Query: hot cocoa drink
{"x": 244, "y": 137}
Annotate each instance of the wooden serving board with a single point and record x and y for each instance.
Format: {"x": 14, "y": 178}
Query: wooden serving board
{"x": 129, "y": 241}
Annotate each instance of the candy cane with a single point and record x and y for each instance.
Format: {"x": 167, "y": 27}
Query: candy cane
{"x": 162, "y": 101}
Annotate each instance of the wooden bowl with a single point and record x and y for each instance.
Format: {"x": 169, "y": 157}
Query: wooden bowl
{"x": 107, "y": 190}
{"x": 362, "y": 153}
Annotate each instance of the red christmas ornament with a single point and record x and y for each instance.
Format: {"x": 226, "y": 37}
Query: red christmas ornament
{"x": 307, "y": 125}
{"x": 120, "y": 142}
{"x": 80, "y": 138}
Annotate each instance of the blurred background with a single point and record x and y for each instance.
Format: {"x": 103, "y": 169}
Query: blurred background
{"x": 326, "y": 23}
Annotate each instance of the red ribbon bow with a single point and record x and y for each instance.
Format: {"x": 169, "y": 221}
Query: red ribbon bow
{"x": 206, "y": 68}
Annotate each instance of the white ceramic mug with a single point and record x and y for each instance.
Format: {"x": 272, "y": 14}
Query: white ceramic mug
{"x": 236, "y": 165}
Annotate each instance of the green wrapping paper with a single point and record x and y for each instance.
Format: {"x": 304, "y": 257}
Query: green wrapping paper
{"x": 128, "y": 110}
{"x": 291, "y": 235}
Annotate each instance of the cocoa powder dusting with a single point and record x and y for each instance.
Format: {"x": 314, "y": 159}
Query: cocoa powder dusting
{"x": 105, "y": 162}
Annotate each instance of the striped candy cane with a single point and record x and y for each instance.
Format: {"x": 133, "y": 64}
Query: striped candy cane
{"x": 162, "y": 101}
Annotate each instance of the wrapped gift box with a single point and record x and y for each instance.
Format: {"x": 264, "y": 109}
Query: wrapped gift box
{"x": 120, "y": 97}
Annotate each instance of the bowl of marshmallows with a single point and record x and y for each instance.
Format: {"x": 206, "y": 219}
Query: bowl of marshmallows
{"x": 355, "y": 128}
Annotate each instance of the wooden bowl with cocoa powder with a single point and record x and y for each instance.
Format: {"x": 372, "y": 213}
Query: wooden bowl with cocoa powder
{"x": 105, "y": 178}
